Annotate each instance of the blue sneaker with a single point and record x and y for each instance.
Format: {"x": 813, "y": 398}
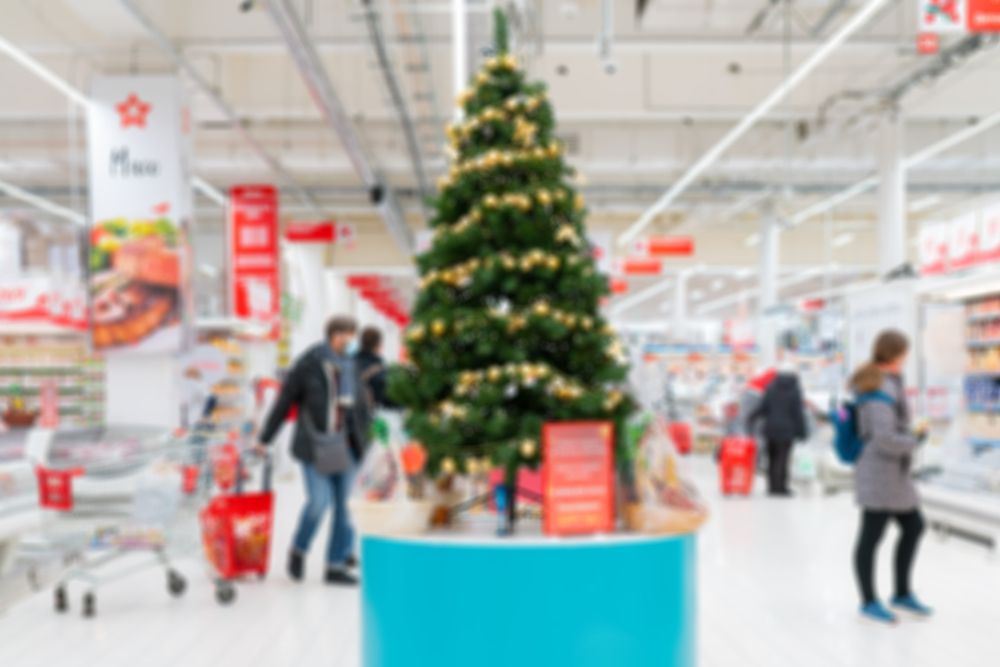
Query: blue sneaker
{"x": 913, "y": 605}
{"x": 876, "y": 611}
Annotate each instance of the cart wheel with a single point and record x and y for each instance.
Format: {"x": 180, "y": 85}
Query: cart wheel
{"x": 61, "y": 600}
{"x": 89, "y": 605}
{"x": 225, "y": 592}
{"x": 176, "y": 583}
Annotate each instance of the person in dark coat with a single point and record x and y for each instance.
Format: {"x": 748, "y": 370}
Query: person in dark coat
{"x": 323, "y": 385}
{"x": 372, "y": 371}
{"x": 782, "y": 412}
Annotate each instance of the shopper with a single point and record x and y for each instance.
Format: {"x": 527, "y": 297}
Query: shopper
{"x": 371, "y": 370}
{"x": 883, "y": 484}
{"x": 322, "y": 386}
{"x": 782, "y": 412}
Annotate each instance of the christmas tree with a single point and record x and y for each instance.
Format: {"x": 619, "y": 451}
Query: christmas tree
{"x": 506, "y": 332}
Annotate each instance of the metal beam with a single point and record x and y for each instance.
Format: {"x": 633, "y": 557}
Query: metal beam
{"x": 303, "y": 52}
{"x": 22, "y": 195}
{"x": 763, "y": 107}
{"x": 182, "y": 63}
{"x": 398, "y": 102}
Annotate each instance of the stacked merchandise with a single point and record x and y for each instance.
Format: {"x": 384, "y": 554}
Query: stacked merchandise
{"x": 982, "y": 381}
{"x": 30, "y": 363}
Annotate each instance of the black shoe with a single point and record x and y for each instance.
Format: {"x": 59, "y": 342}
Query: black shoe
{"x": 340, "y": 578}
{"x": 352, "y": 562}
{"x": 296, "y": 565}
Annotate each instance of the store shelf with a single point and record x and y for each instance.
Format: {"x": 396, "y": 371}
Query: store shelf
{"x": 983, "y": 344}
{"x": 983, "y": 317}
{"x": 983, "y": 374}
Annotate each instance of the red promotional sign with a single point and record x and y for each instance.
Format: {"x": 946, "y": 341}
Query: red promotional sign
{"x": 642, "y": 267}
{"x": 311, "y": 232}
{"x": 983, "y": 15}
{"x": 48, "y": 400}
{"x": 928, "y": 43}
{"x": 253, "y": 253}
{"x": 619, "y": 286}
{"x": 666, "y": 246}
{"x": 578, "y": 480}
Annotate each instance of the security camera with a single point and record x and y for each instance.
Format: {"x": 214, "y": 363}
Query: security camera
{"x": 610, "y": 67}
{"x": 247, "y": 5}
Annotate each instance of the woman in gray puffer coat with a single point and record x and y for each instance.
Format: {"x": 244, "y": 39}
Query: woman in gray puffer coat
{"x": 883, "y": 480}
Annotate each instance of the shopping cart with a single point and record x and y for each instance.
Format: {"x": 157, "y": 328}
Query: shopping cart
{"x": 236, "y": 528}
{"x": 96, "y": 515}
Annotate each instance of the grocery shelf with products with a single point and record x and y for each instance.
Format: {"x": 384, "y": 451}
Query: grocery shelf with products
{"x": 29, "y": 362}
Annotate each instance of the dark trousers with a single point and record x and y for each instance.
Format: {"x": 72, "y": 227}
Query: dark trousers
{"x": 778, "y": 454}
{"x": 873, "y": 523}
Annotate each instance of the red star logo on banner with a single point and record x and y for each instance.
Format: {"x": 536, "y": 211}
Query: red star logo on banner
{"x": 133, "y": 111}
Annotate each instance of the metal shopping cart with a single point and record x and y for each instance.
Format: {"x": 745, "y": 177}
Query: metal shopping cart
{"x": 112, "y": 509}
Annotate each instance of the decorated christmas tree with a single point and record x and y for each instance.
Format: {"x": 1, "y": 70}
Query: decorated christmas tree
{"x": 506, "y": 332}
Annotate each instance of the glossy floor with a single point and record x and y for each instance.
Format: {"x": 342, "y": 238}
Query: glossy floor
{"x": 776, "y": 590}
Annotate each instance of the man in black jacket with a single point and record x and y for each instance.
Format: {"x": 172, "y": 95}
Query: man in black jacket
{"x": 783, "y": 413}
{"x": 371, "y": 370}
{"x": 324, "y": 386}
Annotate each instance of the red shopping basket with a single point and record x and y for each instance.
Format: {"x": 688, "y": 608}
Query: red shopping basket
{"x": 736, "y": 465}
{"x": 236, "y": 533}
{"x": 55, "y": 488}
{"x": 225, "y": 465}
{"x": 680, "y": 434}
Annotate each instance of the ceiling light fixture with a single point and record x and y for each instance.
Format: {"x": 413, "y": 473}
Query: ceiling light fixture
{"x": 753, "y": 240}
{"x": 924, "y": 203}
{"x": 841, "y": 240}
{"x": 789, "y": 84}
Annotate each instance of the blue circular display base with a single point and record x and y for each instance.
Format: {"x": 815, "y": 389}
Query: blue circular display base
{"x": 450, "y": 602}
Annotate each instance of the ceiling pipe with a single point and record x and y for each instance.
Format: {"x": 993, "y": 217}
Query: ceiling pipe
{"x": 918, "y": 158}
{"x": 182, "y": 63}
{"x": 42, "y": 204}
{"x": 736, "y": 133}
{"x": 317, "y": 81}
{"x": 396, "y": 94}
{"x": 836, "y": 8}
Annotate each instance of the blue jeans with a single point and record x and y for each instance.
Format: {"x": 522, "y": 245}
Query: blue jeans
{"x": 321, "y": 491}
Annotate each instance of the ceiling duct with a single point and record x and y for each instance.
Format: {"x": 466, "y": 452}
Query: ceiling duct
{"x": 303, "y": 52}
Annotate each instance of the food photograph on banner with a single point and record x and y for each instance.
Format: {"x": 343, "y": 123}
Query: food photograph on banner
{"x": 140, "y": 206}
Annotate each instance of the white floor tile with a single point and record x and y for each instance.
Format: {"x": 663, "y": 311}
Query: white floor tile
{"x": 776, "y": 589}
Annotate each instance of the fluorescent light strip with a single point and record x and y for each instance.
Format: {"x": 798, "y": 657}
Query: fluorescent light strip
{"x": 209, "y": 190}
{"x": 748, "y": 121}
{"x": 641, "y": 296}
{"x": 918, "y": 158}
{"x": 42, "y": 72}
{"x": 15, "y": 192}
{"x": 21, "y": 57}
{"x": 753, "y": 240}
{"x": 841, "y": 240}
{"x": 925, "y": 203}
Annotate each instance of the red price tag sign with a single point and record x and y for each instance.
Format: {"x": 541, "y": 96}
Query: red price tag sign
{"x": 578, "y": 478}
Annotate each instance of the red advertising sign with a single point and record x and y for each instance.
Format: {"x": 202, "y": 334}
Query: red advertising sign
{"x": 311, "y": 232}
{"x": 48, "y": 400}
{"x": 666, "y": 246}
{"x": 253, "y": 253}
{"x": 928, "y": 43}
{"x": 642, "y": 267}
{"x": 983, "y": 15}
{"x": 970, "y": 240}
{"x": 578, "y": 477}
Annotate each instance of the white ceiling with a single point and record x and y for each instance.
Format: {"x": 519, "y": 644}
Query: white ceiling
{"x": 681, "y": 77}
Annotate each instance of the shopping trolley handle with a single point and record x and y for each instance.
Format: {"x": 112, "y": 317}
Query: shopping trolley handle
{"x": 266, "y": 472}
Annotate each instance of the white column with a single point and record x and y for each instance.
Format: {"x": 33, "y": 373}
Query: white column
{"x": 678, "y": 312}
{"x": 891, "y": 194}
{"x": 307, "y": 273}
{"x": 770, "y": 261}
{"x": 459, "y": 50}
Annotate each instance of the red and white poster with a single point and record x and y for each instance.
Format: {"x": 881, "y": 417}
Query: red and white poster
{"x": 140, "y": 199}
{"x": 970, "y": 240}
{"x": 578, "y": 478}
{"x": 941, "y": 16}
{"x": 665, "y": 246}
{"x": 48, "y": 403}
{"x": 253, "y": 254}
{"x": 983, "y": 15}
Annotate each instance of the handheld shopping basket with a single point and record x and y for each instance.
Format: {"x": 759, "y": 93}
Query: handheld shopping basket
{"x": 736, "y": 465}
{"x": 236, "y": 534}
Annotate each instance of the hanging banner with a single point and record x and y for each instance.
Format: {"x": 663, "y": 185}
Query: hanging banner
{"x": 140, "y": 199}
{"x": 941, "y": 16}
{"x": 970, "y": 240}
{"x": 984, "y": 15}
{"x": 253, "y": 254}
{"x": 578, "y": 478}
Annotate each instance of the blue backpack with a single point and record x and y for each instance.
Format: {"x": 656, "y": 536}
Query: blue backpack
{"x": 846, "y": 438}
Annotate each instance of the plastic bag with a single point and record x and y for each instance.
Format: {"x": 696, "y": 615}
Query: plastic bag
{"x": 383, "y": 499}
{"x": 657, "y": 500}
